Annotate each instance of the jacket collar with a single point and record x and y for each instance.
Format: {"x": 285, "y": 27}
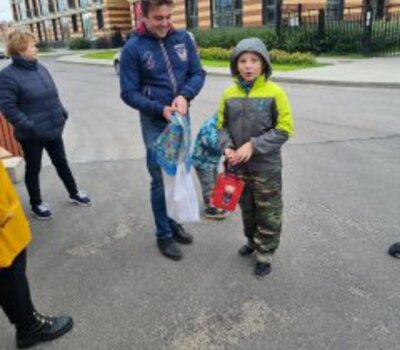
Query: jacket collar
{"x": 247, "y": 87}
{"x": 24, "y": 63}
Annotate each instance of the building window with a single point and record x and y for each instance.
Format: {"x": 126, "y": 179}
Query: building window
{"x": 71, "y": 4}
{"x": 61, "y": 6}
{"x": 28, "y": 9}
{"x": 227, "y": 13}
{"x": 74, "y": 21}
{"x": 50, "y": 6}
{"x": 100, "y": 19}
{"x": 44, "y": 7}
{"x": 55, "y": 30}
{"x": 270, "y": 12}
{"x": 192, "y": 13}
{"x": 15, "y": 13}
{"x": 39, "y": 31}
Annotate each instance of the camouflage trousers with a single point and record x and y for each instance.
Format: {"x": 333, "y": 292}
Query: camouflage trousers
{"x": 261, "y": 205}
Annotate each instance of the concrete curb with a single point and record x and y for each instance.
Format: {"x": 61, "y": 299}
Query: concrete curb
{"x": 304, "y": 81}
{"x": 77, "y": 59}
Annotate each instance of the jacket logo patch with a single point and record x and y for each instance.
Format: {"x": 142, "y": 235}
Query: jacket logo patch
{"x": 149, "y": 61}
{"x": 261, "y": 105}
{"x": 181, "y": 51}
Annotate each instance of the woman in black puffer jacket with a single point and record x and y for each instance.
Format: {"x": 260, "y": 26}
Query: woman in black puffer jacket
{"x": 29, "y": 100}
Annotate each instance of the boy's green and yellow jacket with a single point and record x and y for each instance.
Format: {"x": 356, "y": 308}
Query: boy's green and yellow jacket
{"x": 261, "y": 116}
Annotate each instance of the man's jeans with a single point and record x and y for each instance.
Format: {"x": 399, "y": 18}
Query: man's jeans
{"x": 152, "y": 127}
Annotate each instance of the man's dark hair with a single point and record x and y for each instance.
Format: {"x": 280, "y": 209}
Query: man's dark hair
{"x": 148, "y": 4}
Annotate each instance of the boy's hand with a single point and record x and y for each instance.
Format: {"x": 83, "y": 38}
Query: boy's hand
{"x": 181, "y": 104}
{"x": 168, "y": 110}
{"x": 231, "y": 155}
{"x": 245, "y": 152}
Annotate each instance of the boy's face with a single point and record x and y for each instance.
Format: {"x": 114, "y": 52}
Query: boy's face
{"x": 158, "y": 21}
{"x": 250, "y": 66}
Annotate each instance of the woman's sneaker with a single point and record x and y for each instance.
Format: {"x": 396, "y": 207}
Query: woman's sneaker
{"x": 41, "y": 212}
{"x": 80, "y": 198}
{"x": 214, "y": 213}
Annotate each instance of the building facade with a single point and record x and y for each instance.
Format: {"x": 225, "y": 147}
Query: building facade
{"x": 252, "y": 13}
{"x": 58, "y": 20}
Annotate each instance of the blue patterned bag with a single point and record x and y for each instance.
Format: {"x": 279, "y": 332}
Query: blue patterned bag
{"x": 174, "y": 144}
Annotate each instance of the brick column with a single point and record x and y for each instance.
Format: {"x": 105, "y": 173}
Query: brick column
{"x": 252, "y": 13}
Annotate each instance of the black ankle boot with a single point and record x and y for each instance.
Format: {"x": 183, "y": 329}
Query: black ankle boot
{"x": 43, "y": 328}
{"x": 248, "y": 249}
{"x": 169, "y": 248}
{"x": 262, "y": 269}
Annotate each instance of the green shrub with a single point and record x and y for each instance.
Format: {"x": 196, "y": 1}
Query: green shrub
{"x": 215, "y": 53}
{"x": 277, "y": 56}
{"x": 78, "y": 44}
{"x": 228, "y": 37}
{"x": 283, "y": 57}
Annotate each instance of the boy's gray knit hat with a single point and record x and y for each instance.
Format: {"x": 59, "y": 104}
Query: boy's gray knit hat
{"x": 250, "y": 45}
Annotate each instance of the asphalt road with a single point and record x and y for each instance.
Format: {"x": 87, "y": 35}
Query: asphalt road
{"x": 332, "y": 286}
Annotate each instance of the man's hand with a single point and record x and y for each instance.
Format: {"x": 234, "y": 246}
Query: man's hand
{"x": 168, "y": 110}
{"x": 231, "y": 155}
{"x": 245, "y": 152}
{"x": 181, "y": 104}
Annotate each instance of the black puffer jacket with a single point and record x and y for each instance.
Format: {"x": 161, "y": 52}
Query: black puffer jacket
{"x": 29, "y": 101}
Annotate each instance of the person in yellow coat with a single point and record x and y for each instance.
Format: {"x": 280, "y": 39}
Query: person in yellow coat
{"x": 15, "y": 299}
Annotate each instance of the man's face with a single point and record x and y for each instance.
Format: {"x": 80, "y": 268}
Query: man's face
{"x": 158, "y": 21}
{"x": 250, "y": 66}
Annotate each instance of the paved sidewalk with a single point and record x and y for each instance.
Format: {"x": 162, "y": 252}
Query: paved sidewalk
{"x": 378, "y": 72}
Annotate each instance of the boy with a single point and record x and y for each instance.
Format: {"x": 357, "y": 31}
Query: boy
{"x": 206, "y": 156}
{"x": 254, "y": 121}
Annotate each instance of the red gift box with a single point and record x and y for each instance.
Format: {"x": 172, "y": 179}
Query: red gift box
{"x": 227, "y": 191}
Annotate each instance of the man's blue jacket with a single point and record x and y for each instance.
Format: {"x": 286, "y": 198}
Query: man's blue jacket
{"x": 154, "y": 71}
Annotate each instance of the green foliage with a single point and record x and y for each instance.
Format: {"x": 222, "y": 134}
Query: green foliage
{"x": 338, "y": 37}
{"x": 297, "y": 58}
{"x": 78, "y": 44}
{"x": 215, "y": 53}
{"x": 277, "y": 56}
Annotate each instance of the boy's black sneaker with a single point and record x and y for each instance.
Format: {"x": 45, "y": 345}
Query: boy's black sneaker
{"x": 169, "y": 248}
{"x": 394, "y": 250}
{"x": 247, "y": 249}
{"x": 44, "y": 328}
{"x": 262, "y": 269}
{"x": 214, "y": 213}
{"x": 80, "y": 198}
{"x": 41, "y": 212}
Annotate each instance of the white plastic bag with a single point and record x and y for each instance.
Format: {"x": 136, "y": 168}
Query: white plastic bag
{"x": 180, "y": 196}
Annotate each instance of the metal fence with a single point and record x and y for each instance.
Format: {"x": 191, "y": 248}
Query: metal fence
{"x": 353, "y": 29}
{"x": 7, "y": 139}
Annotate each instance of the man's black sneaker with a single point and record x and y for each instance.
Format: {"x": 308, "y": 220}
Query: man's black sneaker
{"x": 394, "y": 250}
{"x": 214, "y": 213}
{"x": 169, "y": 248}
{"x": 41, "y": 212}
{"x": 247, "y": 249}
{"x": 262, "y": 269}
{"x": 44, "y": 328}
{"x": 180, "y": 235}
{"x": 80, "y": 198}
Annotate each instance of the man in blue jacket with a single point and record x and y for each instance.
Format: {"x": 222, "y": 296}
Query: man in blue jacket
{"x": 160, "y": 74}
